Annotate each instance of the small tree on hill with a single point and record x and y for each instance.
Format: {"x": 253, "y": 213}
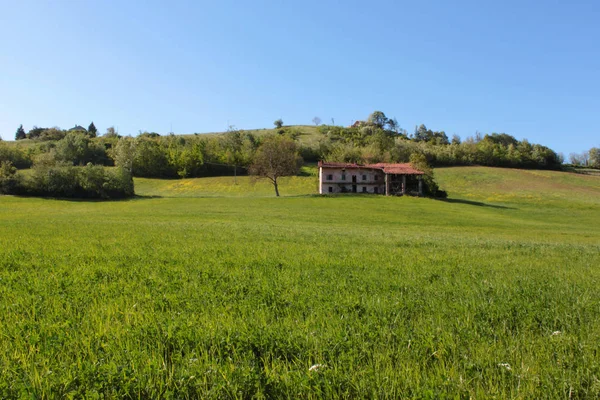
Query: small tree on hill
{"x": 20, "y": 134}
{"x": 111, "y": 132}
{"x": 316, "y": 121}
{"x": 92, "y": 131}
{"x": 378, "y": 118}
{"x": 278, "y": 123}
{"x": 277, "y": 156}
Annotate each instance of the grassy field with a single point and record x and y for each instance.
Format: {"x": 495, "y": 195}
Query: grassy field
{"x": 493, "y": 293}
{"x": 229, "y": 186}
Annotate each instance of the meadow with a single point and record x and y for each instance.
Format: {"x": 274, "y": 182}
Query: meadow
{"x": 202, "y": 288}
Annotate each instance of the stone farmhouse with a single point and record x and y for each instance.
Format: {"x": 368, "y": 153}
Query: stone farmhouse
{"x": 381, "y": 178}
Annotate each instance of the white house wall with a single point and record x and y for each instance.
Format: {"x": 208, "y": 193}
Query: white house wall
{"x": 330, "y": 180}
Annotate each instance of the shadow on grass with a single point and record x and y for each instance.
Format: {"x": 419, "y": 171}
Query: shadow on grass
{"x": 89, "y": 199}
{"x": 475, "y": 203}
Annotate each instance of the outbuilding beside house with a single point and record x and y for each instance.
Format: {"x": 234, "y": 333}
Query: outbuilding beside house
{"x": 381, "y": 178}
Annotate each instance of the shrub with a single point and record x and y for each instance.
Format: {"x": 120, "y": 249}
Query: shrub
{"x": 9, "y": 180}
{"x": 63, "y": 180}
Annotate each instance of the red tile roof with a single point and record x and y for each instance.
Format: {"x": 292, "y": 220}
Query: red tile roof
{"x": 388, "y": 168}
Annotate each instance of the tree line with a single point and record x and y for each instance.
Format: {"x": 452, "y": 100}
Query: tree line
{"x": 590, "y": 158}
{"x": 377, "y": 139}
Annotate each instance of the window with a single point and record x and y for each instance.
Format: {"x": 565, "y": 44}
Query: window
{"x": 329, "y": 177}
{"x": 343, "y": 177}
{"x": 376, "y": 190}
{"x": 364, "y": 177}
{"x": 330, "y": 189}
{"x": 364, "y": 189}
{"x": 376, "y": 177}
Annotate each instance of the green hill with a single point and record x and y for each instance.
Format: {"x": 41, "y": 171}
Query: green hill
{"x": 518, "y": 186}
{"x": 483, "y": 184}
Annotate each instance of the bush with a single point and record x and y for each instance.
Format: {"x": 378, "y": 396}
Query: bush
{"x": 441, "y": 194}
{"x": 9, "y": 180}
{"x": 16, "y": 155}
{"x": 63, "y": 180}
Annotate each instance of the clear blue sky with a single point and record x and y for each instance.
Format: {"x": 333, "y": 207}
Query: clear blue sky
{"x": 527, "y": 68}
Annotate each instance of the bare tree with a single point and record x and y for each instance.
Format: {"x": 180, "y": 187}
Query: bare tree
{"x": 277, "y": 156}
{"x": 316, "y": 121}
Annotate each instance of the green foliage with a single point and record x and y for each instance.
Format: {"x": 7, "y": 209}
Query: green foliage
{"x": 422, "y": 134}
{"x": 430, "y": 187}
{"x": 35, "y": 132}
{"x": 150, "y": 160}
{"x": 77, "y": 148}
{"x": 20, "y": 134}
{"x": 19, "y": 157}
{"x": 91, "y": 181}
{"x": 232, "y": 152}
{"x": 92, "y": 131}
{"x": 278, "y": 123}
{"x": 276, "y": 156}
{"x": 378, "y": 119}
{"x": 344, "y": 152}
{"x": 9, "y": 180}
{"x": 240, "y": 297}
{"x": 52, "y": 134}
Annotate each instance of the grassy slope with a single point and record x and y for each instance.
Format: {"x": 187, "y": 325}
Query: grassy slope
{"x": 228, "y": 186}
{"x": 398, "y": 297}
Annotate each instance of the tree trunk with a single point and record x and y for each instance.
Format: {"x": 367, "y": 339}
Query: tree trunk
{"x": 276, "y": 188}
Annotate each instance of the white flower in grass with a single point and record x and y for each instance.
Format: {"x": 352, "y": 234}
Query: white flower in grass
{"x": 316, "y": 367}
{"x": 505, "y": 365}
{"x": 556, "y": 333}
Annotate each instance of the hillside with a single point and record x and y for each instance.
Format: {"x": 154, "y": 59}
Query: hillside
{"x": 485, "y": 184}
{"x": 518, "y": 186}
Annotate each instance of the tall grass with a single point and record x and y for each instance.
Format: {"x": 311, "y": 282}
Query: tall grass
{"x": 310, "y": 297}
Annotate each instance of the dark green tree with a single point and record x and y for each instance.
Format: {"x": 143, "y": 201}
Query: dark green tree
{"x": 35, "y": 132}
{"x": 92, "y": 131}
{"x": 419, "y": 161}
{"x": 278, "y": 123}
{"x": 378, "y": 118}
{"x": 20, "y": 134}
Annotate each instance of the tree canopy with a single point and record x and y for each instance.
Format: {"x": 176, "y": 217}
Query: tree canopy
{"x": 277, "y": 156}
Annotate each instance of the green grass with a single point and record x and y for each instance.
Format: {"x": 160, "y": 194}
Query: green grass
{"x": 237, "y": 297}
{"x": 229, "y": 186}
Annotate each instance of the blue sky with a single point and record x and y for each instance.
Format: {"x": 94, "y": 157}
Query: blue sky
{"x": 527, "y": 68}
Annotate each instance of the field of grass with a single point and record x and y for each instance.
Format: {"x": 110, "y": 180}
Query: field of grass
{"x": 491, "y": 294}
{"x": 229, "y": 186}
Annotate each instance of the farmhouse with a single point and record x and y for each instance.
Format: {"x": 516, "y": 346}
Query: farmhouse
{"x": 381, "y": 178}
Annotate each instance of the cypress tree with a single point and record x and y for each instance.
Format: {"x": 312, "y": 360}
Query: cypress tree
{"x": 20, "y": 134}
{"x": 92, "y": 130}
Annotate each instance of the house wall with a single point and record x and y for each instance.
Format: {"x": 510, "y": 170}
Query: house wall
{"x": 374, "y": 179}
